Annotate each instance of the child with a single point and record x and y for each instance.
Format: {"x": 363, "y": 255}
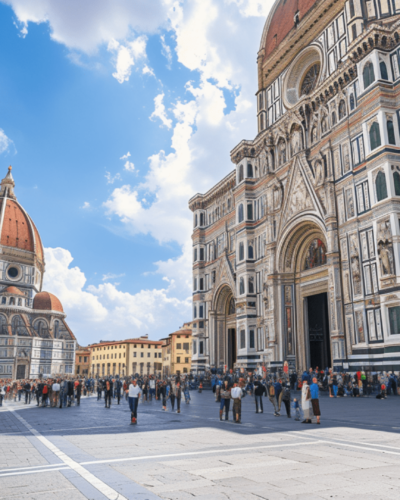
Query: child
{"x": 296, "y": 408}
{"x": 187, "y": 394}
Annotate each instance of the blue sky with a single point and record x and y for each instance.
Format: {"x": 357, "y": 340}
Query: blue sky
{"x": 113, "y": 115}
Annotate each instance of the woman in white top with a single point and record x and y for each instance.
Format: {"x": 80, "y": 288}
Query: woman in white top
{"x": 306, "y": 402}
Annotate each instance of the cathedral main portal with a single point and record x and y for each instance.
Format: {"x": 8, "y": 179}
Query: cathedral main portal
{"x": 318, "y": 331}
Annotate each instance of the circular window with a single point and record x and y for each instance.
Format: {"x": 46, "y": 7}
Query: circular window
{"x": 303, "y": 76}
{"x": 13, "y": 272}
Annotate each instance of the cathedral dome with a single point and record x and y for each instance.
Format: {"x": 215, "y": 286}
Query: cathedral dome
{"x": 17, "y": 229}
{"x": 13, "y": 290}
{"x": 45, "y": 301}
{"x": 283, "y": 18}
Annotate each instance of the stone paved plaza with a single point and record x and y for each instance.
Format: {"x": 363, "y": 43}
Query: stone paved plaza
{"x": 93, "y": 452}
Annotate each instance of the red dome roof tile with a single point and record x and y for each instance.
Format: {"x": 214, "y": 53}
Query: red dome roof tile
{"x": 45, "y": 301}
{"x": 14, "y": 290}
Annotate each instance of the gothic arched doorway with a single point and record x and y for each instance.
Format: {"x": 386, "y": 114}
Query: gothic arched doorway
{"x": 225, "y": 346}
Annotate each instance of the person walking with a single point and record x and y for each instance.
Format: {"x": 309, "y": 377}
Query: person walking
{"x": 314, "y": 391}
{"x": 306, "y": 402}
{"x": 236, "y": 394}
{"x": 134, "y": 393}
{"x": 27, "y": 389}
{"x": 225, "y": 400}
{"x": 286, "y": 397}
{"x": 278, "y": 396}
{"x": 108, "y": 392}
{"x": 78, "y": 392}
{"x": 56, "y": 393}
{"x": 178, "y": 396}
{"x": 259, "y": 391}
{"x": 271, "y": 396}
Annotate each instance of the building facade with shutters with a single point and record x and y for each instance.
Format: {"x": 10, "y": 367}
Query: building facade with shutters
{"x": 296, "y": 252}
{"x": 35, "y": 338}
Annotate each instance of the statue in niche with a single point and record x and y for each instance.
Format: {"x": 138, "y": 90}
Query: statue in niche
{"x": 385, "y": 248}
{"x": 346, "y": 158}
{"x": 319, "y": 174}
{"x": 282, "y": 152}
{"x": 265, "y": 295}
{"x": 276, "y": 195}
{"x": 296, "y": 141}
{"x": 314, "y": 135}
{"x": 232, "y": 306}
{"x": 355, "y": 265}
{"x": 324, "y": 126}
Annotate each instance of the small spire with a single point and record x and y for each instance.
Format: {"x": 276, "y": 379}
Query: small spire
{"x": 7, "y": 185}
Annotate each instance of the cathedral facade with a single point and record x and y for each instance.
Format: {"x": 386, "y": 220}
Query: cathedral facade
{"x": 296, "y": 253}
{"x": 34, "y": 336}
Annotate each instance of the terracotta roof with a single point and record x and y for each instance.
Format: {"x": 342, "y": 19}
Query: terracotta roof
{"x": 14, "y": 290}
{"x": 282, "y": 21}
{"x": 45, "y": 301}
{"x": 128, "y": 341}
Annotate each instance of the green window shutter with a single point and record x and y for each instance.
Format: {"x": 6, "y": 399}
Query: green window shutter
{"x": 381, "y": 190}
{"x": 375, "y": 136}
{"x": 396, "y": 178}
{"x": 390, "y": 131}
{"x": 384, "y": 73}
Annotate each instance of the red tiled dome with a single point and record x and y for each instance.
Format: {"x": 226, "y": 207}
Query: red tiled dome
{"x": 17, "y": 229}
{"x": 45, "y": 301}
{"x": 281, "y": 21}
{"x": 14, "y": 290}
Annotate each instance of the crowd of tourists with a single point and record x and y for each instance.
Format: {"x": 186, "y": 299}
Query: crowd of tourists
{"x": 298, "y": 393}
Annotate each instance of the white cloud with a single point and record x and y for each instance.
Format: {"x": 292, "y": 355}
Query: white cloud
{"x": 159, "y": 111}
{"x": 86, "y": 205}
{"x": 5, "y": 142}
{"x": 125, "y": 157}
{"x": 147, "y": 71}
{"x": 103, "y": 311}
{"x": 126, "y": 56}
{"x": 87, "y": 25}
{"x": 166, "y": 51}
{"x": 110, "y": 179}
{"x": 111, "y": 276}
{"x": 129, "y": 166}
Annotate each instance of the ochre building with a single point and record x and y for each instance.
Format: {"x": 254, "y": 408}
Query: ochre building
{"x": 82, "y": 361}
{"x": 34, "y": 335}
{"x": 177, "y": 351}
{"x": 126, "y": 357}
{"x": 296, "y": 251}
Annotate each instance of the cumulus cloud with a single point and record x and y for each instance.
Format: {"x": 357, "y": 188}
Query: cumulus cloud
{"x": 125, "y": 157}
{"x": 104, "y": 311}
{"x": 129, "y": 166}
{"x": 5, "y": 142}
{"x": 87, "y": 25}
{"x": 111, "y": 179}
{"x": 111, "y": 276}
{"x": 166, "y": 50}
{"x": 86, "y": 205}
{"x": 159, "y": 111}
{"x": 126, "y": 56}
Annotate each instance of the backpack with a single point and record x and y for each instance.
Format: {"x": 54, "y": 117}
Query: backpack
{"x": 108, "y": 385}
{"x": 45, "y": 389}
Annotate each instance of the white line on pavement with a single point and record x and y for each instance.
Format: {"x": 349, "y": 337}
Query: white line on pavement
{"x": 106, "y": 490}
{"x": 33, "y": 471}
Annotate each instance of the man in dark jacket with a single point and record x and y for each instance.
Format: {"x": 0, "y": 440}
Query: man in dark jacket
{"x": 118, "y": 387}
{"x": 293, "y": 381}
{"x": 286, "y": 397}
{"x": 259, "y": 391}
{"x": 27, "y": 389}
{"x": 108, "y": 392}
{"x": 70, "y": 392}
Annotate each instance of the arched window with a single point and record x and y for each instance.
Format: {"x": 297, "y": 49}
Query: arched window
{"x": 251, "y": 284}
{"x": 262, "y": 121}
{"x": 272, "y": 155}
{"x": 249, "y": 170}
{"x": 352, "y": 104}
{"x": 3, "y": 300}
{"x": 241, "y": 177}
{"x": 250, "y": 211}
{"x": 201, "y": 219}
{"x": 381, "y": 189}
{"x": 195, "y": 220}
{"x": 352, "y": 11}
{"x": 195, "y": 255}
{"x": 260, "y": 101}
{"x": 384, "y": 72}
{"x": 316, "y": 254}
{"x": 396, "y": 180}
{"x": 333, "y": 119}
{"x": 3, "y": 325}
{"x": 20, "y": 302}
{"x": 342, "y": 109}
{"x": 12, "y": 301}
{"x": 251, "y": 252}
{"x": 195, "y": 312}
{"x": 375, "y": 136}
{"x": 241, "y": 251}
{"x": 368, "y": 74}
{"x": 56, "y": 329}
{"x": 240, "y": 213}
{"x": 241, "y": 286}
{"x": 390, "y": 131}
